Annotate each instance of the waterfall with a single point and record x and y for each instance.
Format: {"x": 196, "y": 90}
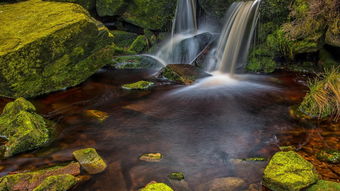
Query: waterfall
{"x": 233, "y": 45}
{"x": 182, "y": 47}
{"x": 185, "y": 18}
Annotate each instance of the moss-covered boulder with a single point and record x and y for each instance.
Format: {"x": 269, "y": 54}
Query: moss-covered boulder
{"x": 154, "y": 186}
{"x": 90, "y": 160}
{"x": 87, "y": 4}
{"x": 330, "y": 156}
{"x": 323, "y": 185}
{"x": 23, "y": 128}
{"x": 140, "y": 85}
{"x": 57, "y": 183}
{"x": 48, "y": 179}
{"x": 139, "y": 44}
{"x": 110, "y": 7}
{"x": 182, "y": 73}
{"x": 289, "y": 171}
{"x": 64, "y": 49}
{"x": 150, "y": 14}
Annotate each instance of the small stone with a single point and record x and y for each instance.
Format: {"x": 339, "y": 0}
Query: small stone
{"x": 90, "y": 160}
{"x": 140, "y": 85}
{"x": 330, "y": 156}
{"x": 227, "y": 184}
{"x": 289, "y": 171}
{"x": 151, "y": 157}
{"x": 255, "y": 159}
{"x": 323, "y": 185}
{"x": 99, "y": 115}
{"x": 176, "y": 176}
{"x": 154, "y": 186}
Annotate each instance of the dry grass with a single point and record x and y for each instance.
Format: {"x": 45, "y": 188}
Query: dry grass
{"x": 323, "y": 98}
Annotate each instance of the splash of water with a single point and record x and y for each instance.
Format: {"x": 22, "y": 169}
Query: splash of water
{"x": 233, "y": 46}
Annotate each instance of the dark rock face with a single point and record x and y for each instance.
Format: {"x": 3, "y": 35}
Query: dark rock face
{"x": 182, "y": 73}
{"x": 23, "y": 128}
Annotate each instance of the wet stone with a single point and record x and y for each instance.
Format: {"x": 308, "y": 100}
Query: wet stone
{"x": 99, "y": 115}
{"x": 151, "y": 157}
{"x": 176, "y": 176}
{"x": 90, "y": 160}
{"x": 140, "y": 85}
{"x": 330, "y": 156}
{"x": 227, "y": 184}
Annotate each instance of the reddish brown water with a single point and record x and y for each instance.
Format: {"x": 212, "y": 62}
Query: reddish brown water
{"x": 198, "y": 135}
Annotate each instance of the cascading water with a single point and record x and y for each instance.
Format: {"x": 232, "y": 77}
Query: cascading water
{"x": 182, "y": 47}
{"x": 233, "y": 46}
{"x": 185, "y": 18}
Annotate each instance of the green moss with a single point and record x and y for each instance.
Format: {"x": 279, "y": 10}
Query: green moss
{"x": 331, "y": 156}
{"x": 123, "y": 39}
{"x": 323, "y": 185}
{"x": 151, "y": 157}
{"x": 90, "y": 160}
{"x": 87, "y": 4}
{"x": 157, "y": 187}
{"x": 140, "y": 85}
{"x": 139, "y": 44}
{"x": 59, "y": 53}
{"x": 333, "y": 33}
{"x": 19, "y": 181}
{"x": 23, "y": 128}
{"x": 176, "y": 176}
{"x": 150, "y": 14}
{"x": 57, "y": 183}
{"x": 215, "y": 8}
{"x": 323, "y": 99}
{"x": 110, "y": 7}
{"x": 289, "y": 171}
{"x": 261, "y": 60}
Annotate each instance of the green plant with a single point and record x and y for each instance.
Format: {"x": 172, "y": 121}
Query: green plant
{"x": 323, "y": 98}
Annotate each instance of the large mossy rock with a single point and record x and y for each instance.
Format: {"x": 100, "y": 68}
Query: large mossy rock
{"x": 56, "y": 178}
{"x": 110, "y": 7}
{"x": 87, "y": 4}
{"x": 154, "y": 186}
{"x": 289, "y": 171}
{"x": 48, "y": 46}
{"x": 22, "y": 128}
{"x": 150, "y": 14}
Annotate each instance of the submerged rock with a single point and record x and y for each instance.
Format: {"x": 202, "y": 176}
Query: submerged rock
{"x": 330, "y": 156}
{"x": 151, "y": 157}
{"x": 90, "y": 160}
{"x": 23, "y": 128}
{"x": 99, "y": 115}
{"x": 226, "y": 184}
{"x": 140, "y": 85}
{"x": 176, "y": 176}
{"x": 64, "y": 49}
{"x": 45, "y": 179}
{"x": 323, "y": 185}
{"x": 154, "y": 186}
{"x": 289, "y": 171}
{"x": 182, "y": 73}
{"x": 57, "y": 183}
